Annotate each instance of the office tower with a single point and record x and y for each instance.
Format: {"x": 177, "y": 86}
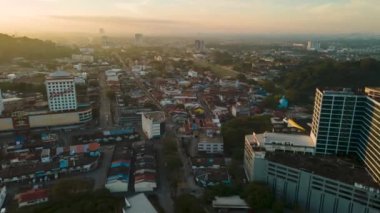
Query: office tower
{"x": 138, "y": 38}
{"x": 313, "y": 45}
{"x": 335, "y": 127}
{"x": 199, "y": 45}
{"x": 347, "y": 122}
{"x": 61, "y": 92}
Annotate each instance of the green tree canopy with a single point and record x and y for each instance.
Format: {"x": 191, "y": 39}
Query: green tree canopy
{"x": 28, "y": 48}
{"x": 188, "y": 204}
{"x": 299, "y": 84}
{"x": 258, "y": 196}
{"x": 235, "y": 130}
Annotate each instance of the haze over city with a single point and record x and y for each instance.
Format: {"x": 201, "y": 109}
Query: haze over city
{"x": 190, "y": 106}
{"x": 191, "y": 16}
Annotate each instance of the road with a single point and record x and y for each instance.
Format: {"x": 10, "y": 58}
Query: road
{"x": 100, "y": 174}
{"x": 139, "y": 82}
{"x": 164, "y": 193}
{"x": 105, "y": 104}
{"x": 191, "y": 186}
{"x": 164, "y": 189}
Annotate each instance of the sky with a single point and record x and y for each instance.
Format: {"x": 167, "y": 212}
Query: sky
{"x": 191, "y": 16}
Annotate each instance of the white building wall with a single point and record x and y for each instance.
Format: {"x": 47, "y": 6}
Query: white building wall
{"x": 210, "y": 147}
{"x": 150, "y": 128}
{"x": 146, "y": 126}
{"x": 61, "y": 94}
{"x": 145, "y": 186}
{"x": 117, "y": 186}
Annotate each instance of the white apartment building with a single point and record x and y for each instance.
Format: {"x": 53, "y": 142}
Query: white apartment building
{"x": 210, "y": 144}
{"x": 256, "y": 146}
{"x": 153, "y": 124}
{"x": 61, "y": 92}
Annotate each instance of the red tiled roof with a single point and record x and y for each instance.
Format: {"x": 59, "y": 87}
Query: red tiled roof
{"x": 149, "y": 177}
{"x": 33, "y": 194}
{"x": 93, "y": 146}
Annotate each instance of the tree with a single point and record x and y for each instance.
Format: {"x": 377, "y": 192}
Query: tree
{"x": 93, "y": 83}
{"x": 234, "y": 131}
{"x": 28, "y": 48}
{"x": 258, "y": 196}
{"x": 111, "y": 94}
{"x": 172, "y": 160}
{"x": 188, "y": 204}
{"x": 93, "y": 201}
{"x": 299, "y": 84}
{"x": 278, "y": 206}
{"x": 66, "y": 188}
{"x": 223, "y": 58}
{"x": 241, "y": 77}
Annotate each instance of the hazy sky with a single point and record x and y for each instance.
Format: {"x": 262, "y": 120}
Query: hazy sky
{"x": 191, "y": 16}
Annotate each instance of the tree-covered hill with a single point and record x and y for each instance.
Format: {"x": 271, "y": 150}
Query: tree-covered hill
{"x": 29, "y": 48}
{"x": 299, "y": 84}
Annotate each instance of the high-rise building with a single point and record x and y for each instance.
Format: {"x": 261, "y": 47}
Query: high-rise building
{"x": 61, "y": 92}
{"x": 153, "y": 124}
{"x": 336, "y": 117}
{"x": 313, "y": 45}
{"x": 199, "y": 45}
{"x": 347, "y": 122}
{"x": 138, "y": 38}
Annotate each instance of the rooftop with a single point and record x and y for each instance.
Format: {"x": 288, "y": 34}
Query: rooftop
{"x": 270, "y": 138}
{"x": 230, "y": 202}
{"x": 59, "y": 74}
{"x": 31, "y": 195}
{"x": 204, "y": 138}
{"x": 157, "y": 116}
{"x": 342, "y": 169}
{"x": 340, "y": 91}
{"x": 139, "y": 204}
{"x": 207, "y": 161}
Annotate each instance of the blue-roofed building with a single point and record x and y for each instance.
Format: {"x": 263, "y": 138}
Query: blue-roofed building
{"x": 118, "y": 179}
{"x": 119, "y": 172}
{"x": 283, "y": 103}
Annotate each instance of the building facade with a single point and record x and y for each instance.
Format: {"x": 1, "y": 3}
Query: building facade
{"x": 210, "y": 147}
{"x": 346, "y": 122}
{"x": 153, "y": 124}
{"x": 256, "y": 145}
{"x": 313, "y": 192}
{"x": 61, "y": 92}
{"x": 26, "y": 120}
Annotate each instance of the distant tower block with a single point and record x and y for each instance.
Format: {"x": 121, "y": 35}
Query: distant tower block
{"x": 139, "y": 38}
{"x": 199, "y": 45}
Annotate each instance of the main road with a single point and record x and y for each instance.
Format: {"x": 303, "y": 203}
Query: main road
{"x": 105, "y": 119}
{"x": 163, "y": 192}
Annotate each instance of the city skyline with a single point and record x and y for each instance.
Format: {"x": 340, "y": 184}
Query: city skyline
{"x": 195, "y": 16}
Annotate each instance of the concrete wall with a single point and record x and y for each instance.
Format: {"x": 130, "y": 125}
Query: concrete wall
{"x": 312, "y": 192}
{"x": 53, "y": 119}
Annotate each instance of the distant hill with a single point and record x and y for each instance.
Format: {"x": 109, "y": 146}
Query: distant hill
{"x": 29, "y": 48}
{"x": 300, "y": 83}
